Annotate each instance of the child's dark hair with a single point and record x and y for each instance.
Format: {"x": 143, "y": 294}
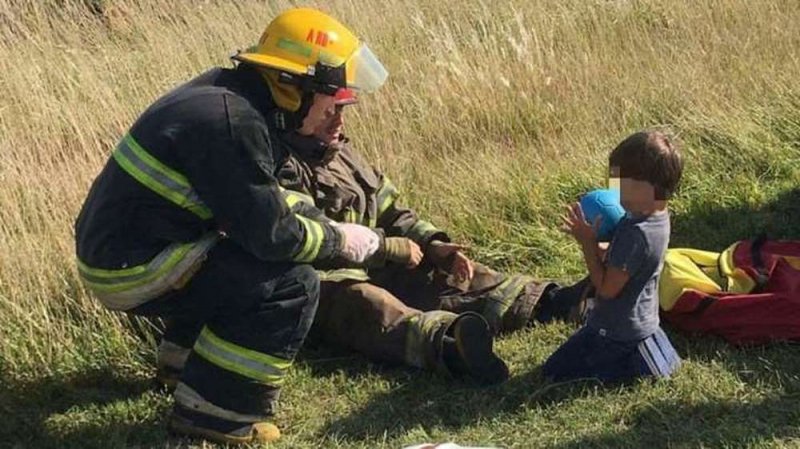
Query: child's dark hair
{"x": 650, "y": 156}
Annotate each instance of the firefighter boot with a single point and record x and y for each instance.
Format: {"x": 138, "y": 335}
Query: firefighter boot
{"x": 465, "y": 350}
{"x": 195, "y": 417}
{"x": 569, "y": 304}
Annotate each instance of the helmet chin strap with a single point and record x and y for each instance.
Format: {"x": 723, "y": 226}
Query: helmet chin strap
{"x": 292, "y": 121}
{"x": 320, "y": 79}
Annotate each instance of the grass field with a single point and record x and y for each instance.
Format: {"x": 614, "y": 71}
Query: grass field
{"x": 496, "y": 114}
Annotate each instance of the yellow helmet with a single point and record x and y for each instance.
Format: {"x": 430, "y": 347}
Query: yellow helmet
{"x": 307, "y": 44}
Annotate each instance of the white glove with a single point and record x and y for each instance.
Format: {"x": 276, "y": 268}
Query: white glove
{"x": 359, "y": 242}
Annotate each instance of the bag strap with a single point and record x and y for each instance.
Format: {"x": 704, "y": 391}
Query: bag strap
{"x": 762, "y": 275}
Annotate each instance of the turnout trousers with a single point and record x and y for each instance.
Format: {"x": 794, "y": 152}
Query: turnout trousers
{"x": 245, "y": 320}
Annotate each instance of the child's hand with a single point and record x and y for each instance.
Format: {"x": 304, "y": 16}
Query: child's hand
{"x": 575, "y": 224}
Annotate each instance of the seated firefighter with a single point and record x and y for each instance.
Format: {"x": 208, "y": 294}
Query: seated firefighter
{"x": 401, "y": 312}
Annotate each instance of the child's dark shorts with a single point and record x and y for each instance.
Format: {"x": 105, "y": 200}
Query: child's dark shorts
{"x": 589, "y": 355}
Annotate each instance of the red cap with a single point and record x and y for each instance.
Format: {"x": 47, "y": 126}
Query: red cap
{"x": 345, "y": 96}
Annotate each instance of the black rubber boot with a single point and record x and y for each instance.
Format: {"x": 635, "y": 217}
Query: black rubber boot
{"x": 467, "y": 350}
{"x": 567, "y": 304}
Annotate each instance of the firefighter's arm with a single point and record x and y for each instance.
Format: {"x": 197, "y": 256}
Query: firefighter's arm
{"x": 303, "y": 205}
{"x": 233, "y": 174}
{"x": 401, "y": 221}
{"x": 392, "y": 249}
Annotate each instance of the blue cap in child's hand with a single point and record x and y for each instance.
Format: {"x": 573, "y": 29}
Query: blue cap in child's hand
{"x": 605, "y": 203}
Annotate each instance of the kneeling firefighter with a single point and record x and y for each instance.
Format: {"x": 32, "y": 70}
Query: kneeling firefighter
{"x": 186, "y": 221}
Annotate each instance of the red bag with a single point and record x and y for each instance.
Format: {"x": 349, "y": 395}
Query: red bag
{"x": 766, "y": 306}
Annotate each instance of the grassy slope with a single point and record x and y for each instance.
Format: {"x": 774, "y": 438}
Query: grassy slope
{"x": 503, "y": 150}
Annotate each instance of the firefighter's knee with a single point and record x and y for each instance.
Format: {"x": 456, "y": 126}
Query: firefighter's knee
{"x": 307, "y": 281}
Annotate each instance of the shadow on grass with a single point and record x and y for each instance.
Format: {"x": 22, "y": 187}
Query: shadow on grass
{"x": 81, "y": 410}
{"x": 714, "y": 228}
{"x": 715, "y": 424}
{"x": 775, "y": 365}
{"x": 424, "y": 399}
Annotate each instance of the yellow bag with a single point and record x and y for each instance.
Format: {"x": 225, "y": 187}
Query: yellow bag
{"x": 704, "y": 271}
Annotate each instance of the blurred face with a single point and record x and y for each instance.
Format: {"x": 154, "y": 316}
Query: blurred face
{"x": 636, "y": 196}
{"x": 330, "y": 129}
{"x": 322, "y": 109}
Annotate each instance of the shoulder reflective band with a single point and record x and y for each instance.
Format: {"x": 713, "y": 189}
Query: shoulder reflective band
{"x": 159, "y": 178}
{"x": 387, "y": 194}
{"x": 127, "y": 288}
{"x": 264, "y": 368}
{"x": 312, "y": 241}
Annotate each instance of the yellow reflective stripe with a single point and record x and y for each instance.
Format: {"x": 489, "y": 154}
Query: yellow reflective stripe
{"x": 291, "y": 200}
{"x": 351, "y": 216}
{"x": 101, "y": 273}
{"x": 153, "y": 270}
{"x": 496, "y": 304}
{"x": 356, "y": 274}
{"x": 155, "y": 163}
{"x": 293, "y": 197}
{"x": 386, "y": 195}
{"x": 420, "y": 327}
{"x": 313, "y": 240}
{"x": 170, "y": 269}
{"x": 159, "y": 178}
{"x": 247, "y": 362}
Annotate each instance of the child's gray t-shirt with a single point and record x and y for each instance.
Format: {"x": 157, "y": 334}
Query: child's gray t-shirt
{"x": 638, "y": 247}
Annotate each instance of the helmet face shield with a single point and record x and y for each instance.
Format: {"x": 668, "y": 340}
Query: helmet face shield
{"x": 364, "y": 71}
{"x": 307, "y": 43}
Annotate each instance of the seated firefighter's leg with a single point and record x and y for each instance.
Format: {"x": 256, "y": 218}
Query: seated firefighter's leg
{"x": 508, "y": 302}
{"x": 456, "y": 345}
{"x": 363, "y": 317}
{"x": 256, "y": 317}
{"x": 372, "y": 321}
{"x": 568, "y": 303}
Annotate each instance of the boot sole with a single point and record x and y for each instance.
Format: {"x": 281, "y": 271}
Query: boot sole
{"x": 184, "y": 427}
{"x": 474, "y": 342}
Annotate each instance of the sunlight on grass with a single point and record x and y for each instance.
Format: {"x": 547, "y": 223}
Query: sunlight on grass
{"x": 512, "y": 106}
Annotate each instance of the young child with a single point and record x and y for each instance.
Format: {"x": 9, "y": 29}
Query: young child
{"x": 621, "y": 339}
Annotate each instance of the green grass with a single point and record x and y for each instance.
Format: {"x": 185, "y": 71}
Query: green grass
{"x": 721, "y": 397}
{"x": 496, "y": 115}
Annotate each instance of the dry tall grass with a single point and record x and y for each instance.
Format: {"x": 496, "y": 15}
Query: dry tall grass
{"x": 484, "y": 98}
